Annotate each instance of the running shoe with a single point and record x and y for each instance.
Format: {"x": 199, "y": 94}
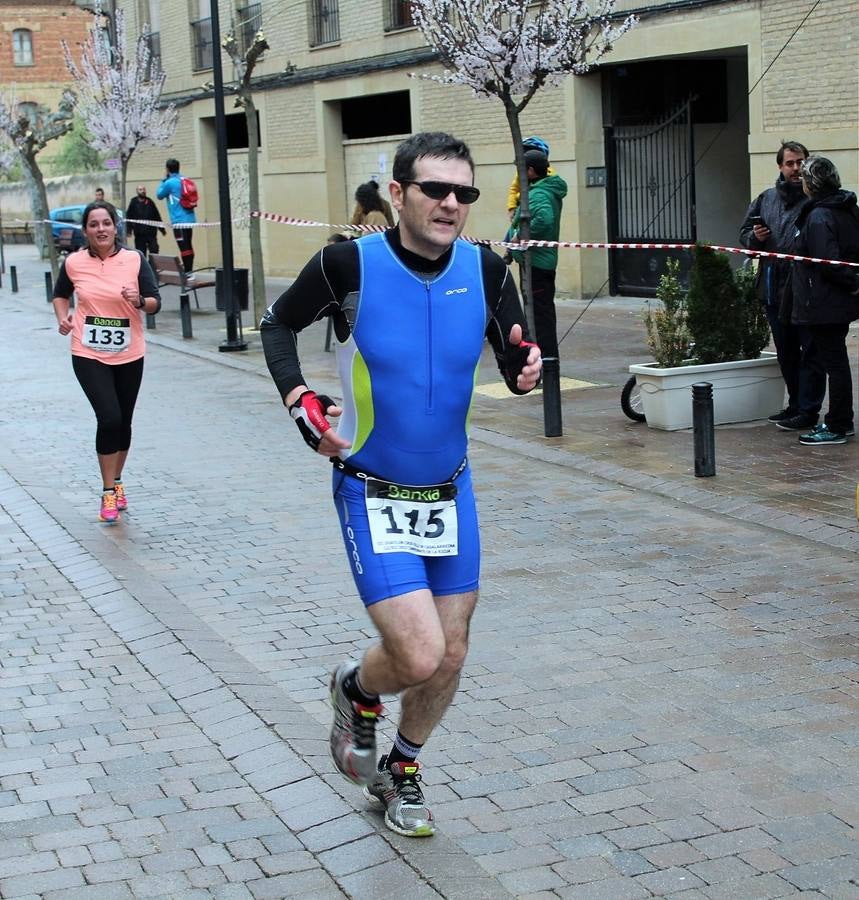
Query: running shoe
{"x": 353, "y": 731}
{"x": 821, "y": 435}
{"x": 108, "y": 511}
{"x": 398, "y": 792}
{"x": 121, "y": 499}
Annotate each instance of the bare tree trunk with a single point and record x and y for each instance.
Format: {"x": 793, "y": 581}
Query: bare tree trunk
{"x": 39, "y": 202}
{"x": 512, "y": 112}
{"x": 257, "y": 268}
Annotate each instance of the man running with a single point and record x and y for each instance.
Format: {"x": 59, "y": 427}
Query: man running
{"x": 411, "y": 307}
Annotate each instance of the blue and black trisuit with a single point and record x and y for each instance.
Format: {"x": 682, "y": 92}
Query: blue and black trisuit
{"x": 410, "y": 333}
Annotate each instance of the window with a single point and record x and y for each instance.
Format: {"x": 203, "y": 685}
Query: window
{"x": 398, "y": 14}
{"x": 200, "y": 14}
{"x": 324, "y": 22}
{"x": 154, "y": 65}
{"x": 22, "y": 47}
{"x": 249, "y": 22}
{"x": 201, "y": 33}
{"x": 376, "y": 115}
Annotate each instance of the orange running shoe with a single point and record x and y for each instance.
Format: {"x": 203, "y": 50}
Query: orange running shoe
{"x": 121, "y": 499}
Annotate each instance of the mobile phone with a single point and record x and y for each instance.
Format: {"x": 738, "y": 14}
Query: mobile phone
{"x": 757, "y": 220}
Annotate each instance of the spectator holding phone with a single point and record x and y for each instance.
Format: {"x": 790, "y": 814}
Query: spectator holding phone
{"x": 770, "y": 224}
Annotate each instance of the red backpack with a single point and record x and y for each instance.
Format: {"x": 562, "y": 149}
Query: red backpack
{"x": 188, "y": 196}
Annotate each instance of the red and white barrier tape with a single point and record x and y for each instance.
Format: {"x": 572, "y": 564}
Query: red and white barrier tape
{"x": 509, "y": 245}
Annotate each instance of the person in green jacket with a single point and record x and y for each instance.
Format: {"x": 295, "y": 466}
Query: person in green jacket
{"x": 545, "y": 198}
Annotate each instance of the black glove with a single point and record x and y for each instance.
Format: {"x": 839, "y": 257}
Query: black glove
{"x": 309, "y": 413}
{"x": 515, "y": 358}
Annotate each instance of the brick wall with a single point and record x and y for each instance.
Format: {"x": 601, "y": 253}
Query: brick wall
{"x": 290, "y": 123}
{"x": 49, "y": 23}
{"x": 816, "y": 78}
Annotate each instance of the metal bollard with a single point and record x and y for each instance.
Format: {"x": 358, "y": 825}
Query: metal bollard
{"x": 13, "y": 275}
{"x": 150, "y": 322}
{"x": 552, "y": 425}
{"x": 702, "y": 427}
{"x": 185, "y": 315}
{"x": 49, "y": 286}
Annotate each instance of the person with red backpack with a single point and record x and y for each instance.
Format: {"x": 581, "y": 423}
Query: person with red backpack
{"x": 181, "y": 196}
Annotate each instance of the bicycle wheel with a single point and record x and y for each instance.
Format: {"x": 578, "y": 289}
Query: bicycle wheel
{"x": 630, "y": 400}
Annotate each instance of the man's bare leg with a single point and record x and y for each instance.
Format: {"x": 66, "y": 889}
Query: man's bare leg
{"x": 420, "y": 635}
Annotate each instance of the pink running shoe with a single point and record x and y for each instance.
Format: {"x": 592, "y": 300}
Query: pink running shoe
{"x": 121, "y": 499}
{"x": 108, "y": 512}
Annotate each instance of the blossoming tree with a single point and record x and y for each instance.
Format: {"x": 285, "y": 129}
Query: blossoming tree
{"x": 119, "y": 95}
{"x": 28, "y": 133}
{"x": 509, "y": 49}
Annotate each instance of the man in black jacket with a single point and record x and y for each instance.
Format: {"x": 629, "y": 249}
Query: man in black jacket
{"x": 142, "y": 208}
{"x": 770, "y": 224}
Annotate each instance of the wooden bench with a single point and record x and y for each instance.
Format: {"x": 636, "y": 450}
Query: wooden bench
{"x": 18, "y": 234}
{"x": 65, "y": 240}
{"x": 169, "y": 270}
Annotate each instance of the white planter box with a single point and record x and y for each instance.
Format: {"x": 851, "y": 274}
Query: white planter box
{"x": 743, "y": 390}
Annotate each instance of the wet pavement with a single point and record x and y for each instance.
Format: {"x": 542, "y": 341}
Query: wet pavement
{"x": 660, "y": 700}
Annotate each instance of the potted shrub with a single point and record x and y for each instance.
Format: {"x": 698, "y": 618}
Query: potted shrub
{"x": 722, "y": 320}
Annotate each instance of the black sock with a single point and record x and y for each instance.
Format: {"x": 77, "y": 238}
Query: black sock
{"x": 108, "y": 490}
{"x": 354, "y": 691}
{"x": 404, "y": 751}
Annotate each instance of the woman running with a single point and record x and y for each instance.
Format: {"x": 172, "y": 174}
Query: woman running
{"x": 112, "y": 286}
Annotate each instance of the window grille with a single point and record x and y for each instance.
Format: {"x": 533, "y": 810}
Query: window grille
{"x": 398, "y": 14}
{"x": 201, "y": 33}
{"x": 154, "y": 41}
{"x": 249, "y": 22}
{"x": 324, "y": 22}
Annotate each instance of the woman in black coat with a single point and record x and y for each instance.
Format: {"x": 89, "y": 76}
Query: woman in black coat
{"x": 825, "y": 297}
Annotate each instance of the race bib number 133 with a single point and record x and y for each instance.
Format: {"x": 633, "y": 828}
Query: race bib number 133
{"x": 107, "y": 335}
{"x": 411, "y": 519}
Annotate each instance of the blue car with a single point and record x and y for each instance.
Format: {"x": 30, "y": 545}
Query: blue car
{"x": 66, "y": 226}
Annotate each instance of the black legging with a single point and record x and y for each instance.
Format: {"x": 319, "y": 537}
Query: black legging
{"x": 186, "y": 247}
{"x": 112, "y": 392}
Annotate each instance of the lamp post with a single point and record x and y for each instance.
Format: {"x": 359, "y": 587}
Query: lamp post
{"x": 234, "y": 339}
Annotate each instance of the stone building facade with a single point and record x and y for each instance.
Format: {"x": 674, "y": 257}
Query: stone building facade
{"x": 667, "y": 139}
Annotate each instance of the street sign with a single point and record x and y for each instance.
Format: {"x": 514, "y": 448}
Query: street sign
{"x": 111, "y": 164}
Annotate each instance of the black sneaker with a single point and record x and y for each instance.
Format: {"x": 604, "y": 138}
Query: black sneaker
{"x": 786, "y": 413}
{"x": 797, "y": 423}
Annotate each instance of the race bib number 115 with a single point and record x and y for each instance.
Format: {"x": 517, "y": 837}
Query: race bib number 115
{"x": 406, "y": 519}
{"x": 107, "y": 335}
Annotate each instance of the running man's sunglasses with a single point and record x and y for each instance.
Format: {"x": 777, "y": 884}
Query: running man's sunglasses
{"x": 438, "y": 190}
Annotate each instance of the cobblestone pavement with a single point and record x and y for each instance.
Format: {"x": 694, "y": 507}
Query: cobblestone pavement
{"x": 661, "y": 697}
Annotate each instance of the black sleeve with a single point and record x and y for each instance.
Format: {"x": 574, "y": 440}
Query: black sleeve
{"x": 821, "y": 241}
{"x": 747, "y": 237}
{"x": 63, "y": 286}
{"x": 147, "y": 283}
{"x": 129, "y": 214}
{"x": 318, "y": 291}
{"x": 505, "y": 311}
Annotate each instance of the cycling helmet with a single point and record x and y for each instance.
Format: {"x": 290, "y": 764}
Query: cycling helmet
{"x": 536, "y": 143}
